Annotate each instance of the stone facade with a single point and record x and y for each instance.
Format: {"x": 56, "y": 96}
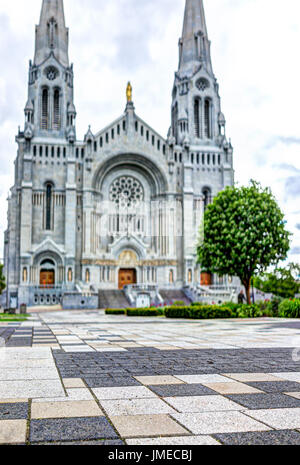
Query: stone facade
{"x": 81, "y": 213}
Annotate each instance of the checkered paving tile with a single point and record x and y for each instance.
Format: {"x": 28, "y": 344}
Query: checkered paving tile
{"x": 84, "y": 378}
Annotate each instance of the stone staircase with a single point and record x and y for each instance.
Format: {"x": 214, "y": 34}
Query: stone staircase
{"x": 112, "y": 299}
{"x": 172, "y": 295}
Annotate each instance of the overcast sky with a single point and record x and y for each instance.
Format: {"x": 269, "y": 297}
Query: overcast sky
{"x": 255, "y": 53}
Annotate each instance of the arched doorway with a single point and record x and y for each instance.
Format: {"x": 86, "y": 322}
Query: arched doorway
{"x": 206, "y": 279}
{"x": 47, "y": 273}
{"x": 126, "y": 277}
{"x": 127, "y": 273}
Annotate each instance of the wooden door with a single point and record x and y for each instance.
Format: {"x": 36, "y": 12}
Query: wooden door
{"x": 206, "y": 279}
{"x": 126, "y": 277}
{"x": 47, "y": 278}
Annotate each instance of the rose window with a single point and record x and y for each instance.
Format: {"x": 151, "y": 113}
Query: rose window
{"x": 126, "y": 192}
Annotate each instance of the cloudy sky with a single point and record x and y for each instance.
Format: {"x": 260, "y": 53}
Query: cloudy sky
{"x": 255, "y": 52}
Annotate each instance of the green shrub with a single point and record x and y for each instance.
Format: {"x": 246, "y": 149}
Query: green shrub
{"x": 196, "y": 304}
{"x": 275, "y": 302}
{"x": 142, "y": 312}
{"x": 161, "y": 311}
{"x": 289, "y": 308}
{"x": 249, "y": 311}
{"x": 178, "y": 303}
{"x": 233, "y": 307}
{"x": 206, "y": 312}
{"x": 177, "y": 312}
{"x": 203, "y": 312}
{"x": 116, "y": 311}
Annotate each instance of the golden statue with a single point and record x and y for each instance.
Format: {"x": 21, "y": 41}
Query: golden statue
{"x": 129, "y": 92}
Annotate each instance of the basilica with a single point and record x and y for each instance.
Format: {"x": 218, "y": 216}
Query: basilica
{"x": 122, "y": 208}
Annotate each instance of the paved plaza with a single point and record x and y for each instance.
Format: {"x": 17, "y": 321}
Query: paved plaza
{"x": 87, "y": 378}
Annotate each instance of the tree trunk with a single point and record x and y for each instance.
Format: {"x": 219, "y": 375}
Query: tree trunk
{"x": 247, "y": 284}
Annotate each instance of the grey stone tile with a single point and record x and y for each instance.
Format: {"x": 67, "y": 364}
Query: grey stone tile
{"x": 108, "y": 442}
{"x": 71, "y": 429}
{"x": 264, "y": 401}
{"x": 266, "y": 438}
{"x": 18, "y": 411}
{"x": 182, "y": 390}
{"x": 277, "y": 386}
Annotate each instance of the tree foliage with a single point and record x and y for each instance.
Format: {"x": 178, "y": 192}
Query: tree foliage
{"x": 283, "y": 282}
{"x": 243, "y": 234}
{"x": 2, "y": 280}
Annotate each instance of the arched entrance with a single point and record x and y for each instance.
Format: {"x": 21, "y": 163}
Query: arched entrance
{"x": 127, "y": 273}
{"x": 126, "y": 277}
{"x": 206, "y": 279}
{"x": 47, "y": 273}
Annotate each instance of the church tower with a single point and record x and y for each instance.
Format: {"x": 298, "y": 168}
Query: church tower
{"x": 50, "y": 111}
{"x": 40, "y": 242}
{"x": 201, "y": 150}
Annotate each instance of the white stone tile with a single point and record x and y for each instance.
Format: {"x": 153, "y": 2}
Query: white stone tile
{"x": 131, "y": 392}
{"x": 218, "y": 422}
{"x": 293, "y": 376}
{"x": 286, "y": 418}
{"x": 201, "y": 379}
{"x": 135, "y": 407}
{"x": 30, "y": 389}
{"x": 174, "y": 441}
{"x": 199, "y": 404}
{"x": 28, "y": 374}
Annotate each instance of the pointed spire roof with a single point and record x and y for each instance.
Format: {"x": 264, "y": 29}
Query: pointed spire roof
{"x": 51, "y": 33}
{"x": 194, "y": 43}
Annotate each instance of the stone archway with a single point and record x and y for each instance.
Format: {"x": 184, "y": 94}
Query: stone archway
{"x": 47, "y": 273}
{"x": 128, "y": 262}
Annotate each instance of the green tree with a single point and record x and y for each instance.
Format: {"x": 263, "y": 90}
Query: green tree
{"x": 283, "y": 282}
{"x": 243, "y": 234}
{"x": 2, "y": 280}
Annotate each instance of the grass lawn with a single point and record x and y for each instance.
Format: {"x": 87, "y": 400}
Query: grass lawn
{"x": 11, "y": 318}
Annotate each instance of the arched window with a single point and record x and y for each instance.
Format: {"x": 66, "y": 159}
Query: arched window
{"x": 56, "y": 110}
{"x": 70, "y": 275}
{"x": 206, "y": 197}
{"x": 175, "y": 121}
{"x": 52, "y": 33}
{"x": 197, "y": 117}
{"x": 49, "y": 189}
{"x": 45, "y": 109}
{"x": 87, "y": 276}
{"x": 25, "y": 275}
{"x": 190, "y": 276}
{"x": 207, "y": 119}
{"x": 171, "y": 277}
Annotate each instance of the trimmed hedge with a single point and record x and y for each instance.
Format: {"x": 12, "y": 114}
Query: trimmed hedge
{"x": 143, "y": 312}
{"x": 205, "y": 312}
{"x": 117, "y": 311}
{"x": 285, "y": 309}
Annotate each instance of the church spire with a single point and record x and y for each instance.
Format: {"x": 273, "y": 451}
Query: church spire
{"x": 52, "y": 36}
{"x": 194, "y": 46}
